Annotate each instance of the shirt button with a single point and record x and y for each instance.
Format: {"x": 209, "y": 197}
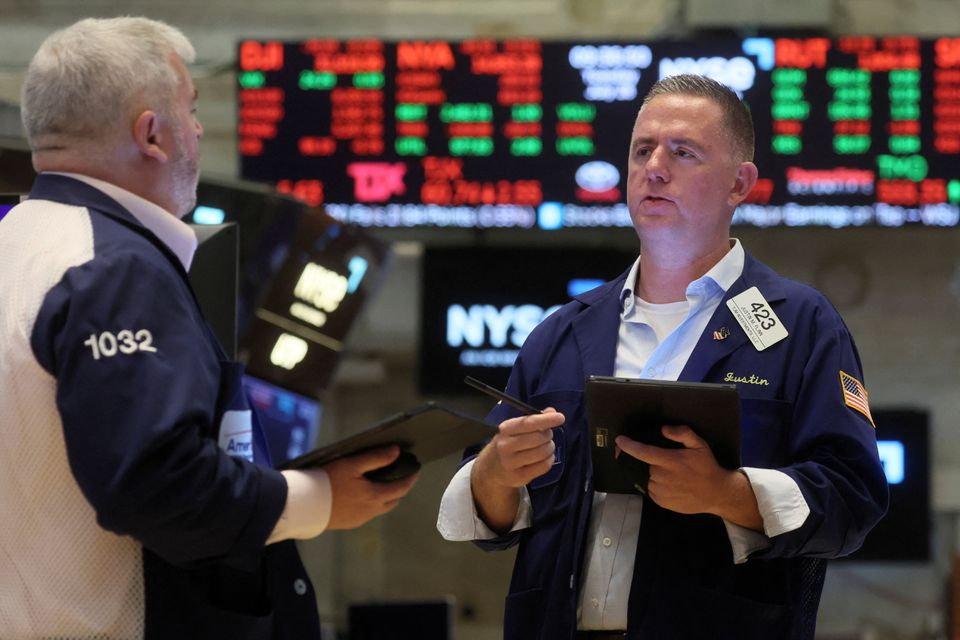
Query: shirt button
{"x": 607, "y": 542}
{"x": 595, "y": 603}
{"x": 300, "y": 586}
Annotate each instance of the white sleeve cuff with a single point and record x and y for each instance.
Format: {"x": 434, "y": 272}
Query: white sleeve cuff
{"x": 781, "y": 506}
{"x": 744, "y": 541}
{"x": 309, "y": 504}
{"x": 458, "y": 520}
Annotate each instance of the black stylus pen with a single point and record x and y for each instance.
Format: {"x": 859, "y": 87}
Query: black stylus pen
{"x": 500, "y": 395}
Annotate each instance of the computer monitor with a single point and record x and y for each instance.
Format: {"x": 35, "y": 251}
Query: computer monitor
{"x": 903, "y": 535}
{"x": 290, "y": 421}
{"x": 8, "y": 201}
{"x": 303, "y": 279}
{"x": 480, "y": 303}
{"x": 417, "y": 620}
{"x": 213, "y": 276}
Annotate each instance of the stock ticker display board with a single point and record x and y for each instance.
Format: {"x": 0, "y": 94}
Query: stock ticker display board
{"x": 523, "y": 133}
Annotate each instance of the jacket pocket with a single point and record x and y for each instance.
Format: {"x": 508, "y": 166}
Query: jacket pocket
{"x": 569, "y": 404}
{"x": 219, "y": 624}
{"x": 734, "y": 617}
{"x": 214, "y": 602}
{"x": 523, "y": 615}
{"x": 700, "y": 612}
{"x": 559, "y": 457}
{"x": 764, "y": 425}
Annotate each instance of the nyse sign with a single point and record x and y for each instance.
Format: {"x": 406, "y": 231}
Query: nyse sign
{"x": 491, "y": 336}
{"x": 321, "y": 291}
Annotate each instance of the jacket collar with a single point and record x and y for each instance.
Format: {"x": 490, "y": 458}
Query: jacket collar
{"x": 596, "y": 328}
{"x": 68, "y": 190}
{"x": 709, "y": 351}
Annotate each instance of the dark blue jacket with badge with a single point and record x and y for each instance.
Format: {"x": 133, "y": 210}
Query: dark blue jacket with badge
{"x": 685, "y": 583}
{"x": 142, "y": 389}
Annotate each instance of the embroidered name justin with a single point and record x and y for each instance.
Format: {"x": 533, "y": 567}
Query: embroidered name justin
{"x": 745, "y": 380}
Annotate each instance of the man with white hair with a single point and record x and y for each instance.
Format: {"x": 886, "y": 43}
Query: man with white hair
{"x": 123, "y": 518}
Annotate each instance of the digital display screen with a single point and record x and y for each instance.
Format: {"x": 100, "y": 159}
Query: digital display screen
{"x": 290, "y": 421}
{"x": 324, "y": 277}
{"x": 8, "y": 201}
{"x": 904, "y": 532}
{"x": 480, "y": 304}
{"x": 524, "y": 133}
{"x": 303, "y": 279}
{"x": 213, "y": 278}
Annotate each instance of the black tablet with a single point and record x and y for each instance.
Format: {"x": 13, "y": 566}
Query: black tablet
{"x": 639, "y": 408}
{"x": 428, "y": 432}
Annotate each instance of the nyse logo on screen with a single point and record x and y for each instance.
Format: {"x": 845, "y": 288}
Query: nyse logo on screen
{"x": 737, "y": 73}
{"x": 491, "y": 336}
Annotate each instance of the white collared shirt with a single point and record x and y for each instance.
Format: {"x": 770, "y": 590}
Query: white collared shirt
{"x": 615, "y": 519}
{"x": 171, "y": 230}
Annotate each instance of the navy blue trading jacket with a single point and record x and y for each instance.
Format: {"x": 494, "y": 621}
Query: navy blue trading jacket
{"x": 685, "y": 585}
{"x": 141, "y": 425}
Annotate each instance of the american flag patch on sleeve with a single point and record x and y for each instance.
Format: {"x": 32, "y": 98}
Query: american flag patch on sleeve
{"x": 855, "y": 396}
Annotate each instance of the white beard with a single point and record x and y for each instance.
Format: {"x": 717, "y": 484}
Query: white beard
{"x": 185, "y": 176}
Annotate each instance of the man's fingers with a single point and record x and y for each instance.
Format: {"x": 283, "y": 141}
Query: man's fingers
{"x": 684, "y": 435}
{"x": 393, "y": 491}
{"x": 521, "y": 451}
{"x": 373, "y": 459}
{"x": 531, "y": 423}
{"x": 515, "y": 459}
{"x": 535, "y": 470}
{"x": 659, "y": 455}
{"x": 509, "y": 444}
{"x": 390, "y": 506}
{"x": 644, "y": 452}
{"x": 524, "y": 474}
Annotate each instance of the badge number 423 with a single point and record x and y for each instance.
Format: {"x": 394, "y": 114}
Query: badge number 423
{"x": 758, "y": 320}
{"x": 763, "y": 315}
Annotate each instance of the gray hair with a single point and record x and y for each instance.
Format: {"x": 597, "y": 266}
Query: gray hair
{"x": 736, "y": 115}
{"x": 88, "y": 79}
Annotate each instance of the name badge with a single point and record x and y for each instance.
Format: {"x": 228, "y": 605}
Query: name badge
{"x": 236, "y": 434}
{"x": 758, "y": 320}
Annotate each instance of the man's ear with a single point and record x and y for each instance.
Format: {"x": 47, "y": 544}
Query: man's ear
{"x": 148, "y": 136}
{"x": 745, "y": 180}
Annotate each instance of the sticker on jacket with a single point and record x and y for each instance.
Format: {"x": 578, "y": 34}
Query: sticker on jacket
{"x": 236, "y": 434}
{"x": 855, "y": 396}
{"x": 757, "y": 318}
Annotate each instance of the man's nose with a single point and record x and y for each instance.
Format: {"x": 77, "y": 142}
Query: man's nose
{"x": 656, "y": 165}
